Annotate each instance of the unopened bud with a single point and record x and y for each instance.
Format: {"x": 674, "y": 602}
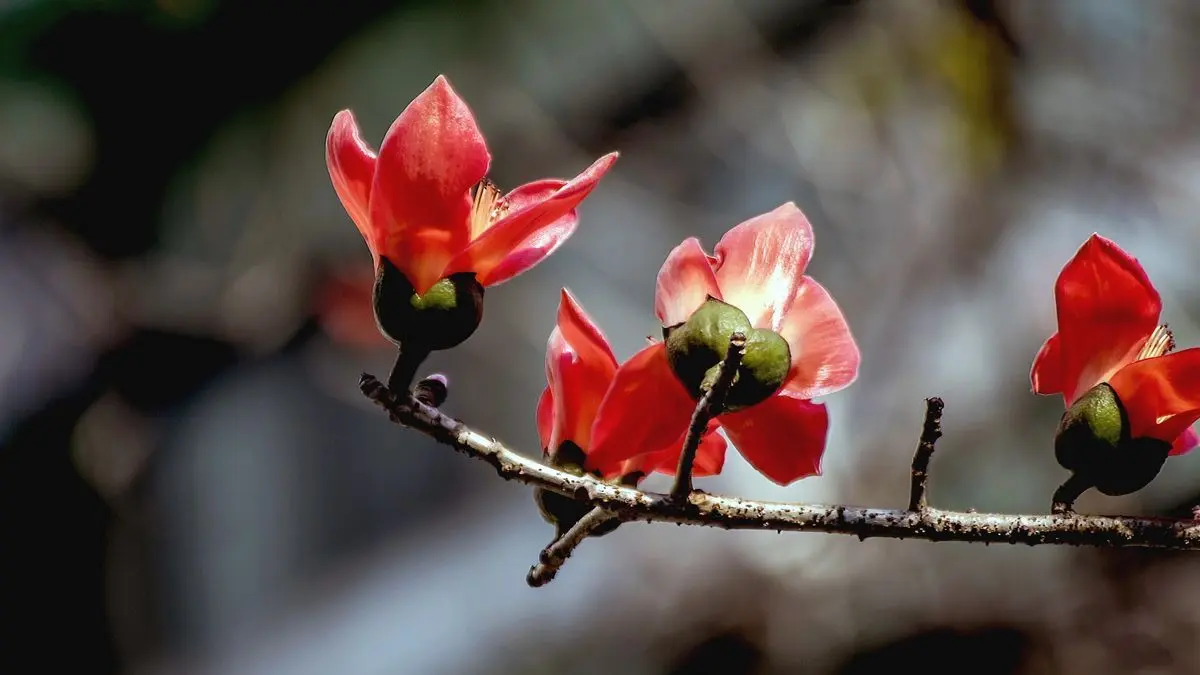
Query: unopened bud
{"x": 445, "y": 316}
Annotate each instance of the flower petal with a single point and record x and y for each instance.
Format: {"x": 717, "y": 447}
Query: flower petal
{"x": 684, "y": 282}
{"x": 761, "y": 262}
{"x": 351, "y": 164}
{"x": 579, "y": 368}
{"x": 825, "y": 357}
{"x": 545, "y": 419}
{"x": 645, "y": 409}
{"x": 535, "y": 212}
{"x": 584, "y": 336}
{"x": 1107, "y": 308}
{"x": 431, "y": 157}
{"x": 1186, "y": 442}
{"x": 782, "y": 437}
{"x": 1046, "y": 376}
{"x": 542, "y": 243}
{"x": 1161, "y": 395}
{"x": 710, "y": 456}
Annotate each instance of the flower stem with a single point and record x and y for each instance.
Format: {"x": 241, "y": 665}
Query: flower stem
{"x": 408, "y": 359}
{"x": 1063, "y": 501}
{"x": 709, "y": 405}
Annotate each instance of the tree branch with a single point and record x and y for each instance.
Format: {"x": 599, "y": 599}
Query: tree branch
{"x": 930, "y": 434}
{"x": 708, "y": 405}
{"x": 554, "y": 555}
{"x": 732, "y": 513}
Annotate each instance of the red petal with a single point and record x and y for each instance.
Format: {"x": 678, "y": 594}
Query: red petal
{"x": 760, "y": 264}
{"x": 1161, "y": 395}
{"x": 645, "y": 409}
{"x": 1046, "y": 377}
{"x": 579, "y": 368}
{"x": 584, "y": 336}
{"x": 782, "y": 437}
{"x": 543, "y": 243}
{"x": 710, "y": 456}
{"x": 1106, "y": 310}
{"x": 1186, "y": 442}
{"x": 825, "y": 357}
{"x": 535, "y": 213}
{"x": 420, "y": 201}
{"x": 351, "y": 165}
{"x": 685, "y": 281}
{"x": 545, "y": 418}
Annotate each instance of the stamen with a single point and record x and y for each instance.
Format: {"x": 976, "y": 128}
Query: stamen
{"x": 486, "y": 206}
{"x": 1160, "y": 342}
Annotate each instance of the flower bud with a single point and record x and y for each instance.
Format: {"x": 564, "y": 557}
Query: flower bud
{"x": 1093, "y": 441}
{"x": 559, "y": 510}
{"x": 696, "y": 347}
{"x": 442, "y": 318}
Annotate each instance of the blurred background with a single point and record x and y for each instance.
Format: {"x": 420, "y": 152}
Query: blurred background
{"x": 190, "y": 482}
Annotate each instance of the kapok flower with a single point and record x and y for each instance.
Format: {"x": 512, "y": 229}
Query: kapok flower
{"x": 755, "y": 284}
{"x": 580, "y": 366}
{"x": 1130, "y": 400}
{"x": 425, "y": 207}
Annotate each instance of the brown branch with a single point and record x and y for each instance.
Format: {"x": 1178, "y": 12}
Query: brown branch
{"x": 732, "y": 513}
{"x": 554, "y": 555}
{"x": 930, "y": 434}
{"x": 709, "y": 405}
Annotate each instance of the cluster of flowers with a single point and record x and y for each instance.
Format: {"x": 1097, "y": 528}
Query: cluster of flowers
{"x": 440, "y": 232}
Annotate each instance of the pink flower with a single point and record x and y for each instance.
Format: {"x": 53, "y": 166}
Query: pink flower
{"x": 759, "y": 268}
{"x": 424, "y": 202}
{"x": 580, "y": 367}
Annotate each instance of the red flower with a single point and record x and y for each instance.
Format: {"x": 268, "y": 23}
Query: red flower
{"x": 1108, "y": 331}
{"x": 425, "y": 204}
{"x": 759, "y": 268}
{"x": 579, "y": 370}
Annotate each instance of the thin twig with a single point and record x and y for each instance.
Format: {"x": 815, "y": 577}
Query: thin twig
{"x": 1063, "y": 501}
{"x": 709, "y": 404}
{"x": 732, "y": 513}
{"x": 554, "y": 555}
{"x": 930, "y": 433}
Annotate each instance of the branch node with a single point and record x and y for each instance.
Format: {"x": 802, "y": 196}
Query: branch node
{"x": 709, "y": 405}
{"x": 930, "y": 433}
{"x": 551, "y": 559}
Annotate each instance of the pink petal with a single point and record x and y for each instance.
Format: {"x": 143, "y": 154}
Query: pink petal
{"x": 645, "y": 409}
{"x": 1186, "y": 442}
{"x": 1161, "y": 395}
{"x": 351, "y": 164}
{"x": 685, "y": 281}
{"x": 542, "y": 243}
{"x": 1107, "y": 307}
{"x": 761, "y": 262}
{"x": 534, "y": 214}
{"x": 825, "y": 357}
{"x": 430, "y": 159}
{"x": 782, "y": 437}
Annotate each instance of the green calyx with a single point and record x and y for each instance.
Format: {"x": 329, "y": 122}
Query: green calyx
{"x": 696, "y": 348}
{"x": 441, "y": 318}
{"x": 1093, "y": 440}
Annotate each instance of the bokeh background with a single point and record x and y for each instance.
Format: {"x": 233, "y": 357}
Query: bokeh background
{"x": 190, "y": 482}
